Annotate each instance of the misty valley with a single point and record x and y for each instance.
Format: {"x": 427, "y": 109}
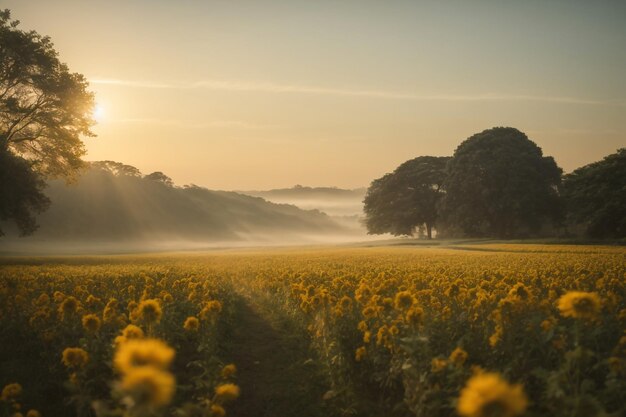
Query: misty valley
{"x": 112, "y": 207}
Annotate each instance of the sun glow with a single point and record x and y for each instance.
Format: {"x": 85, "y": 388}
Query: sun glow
{"x": 98, "y": 113}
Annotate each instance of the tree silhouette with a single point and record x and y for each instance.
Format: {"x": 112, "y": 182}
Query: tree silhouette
{"x": 595, "y": 196}
{"x": 158, "y": 176}
{"x": 44, "y": 110}
{"x": 499, "y": 184}
{"x": 399, "y": 202}
{"x": 117, "y": 168}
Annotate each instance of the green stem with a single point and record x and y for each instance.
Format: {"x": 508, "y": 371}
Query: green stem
{"x": 577, "y": 370}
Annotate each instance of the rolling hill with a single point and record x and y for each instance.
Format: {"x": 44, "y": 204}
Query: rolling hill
{"x": 112, "y": 201}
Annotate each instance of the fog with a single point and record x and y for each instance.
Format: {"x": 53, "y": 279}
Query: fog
{"x": 329, "y": 206}
{"x": 112, "y": 208}
{"x": 330, "y": 200}
{"x": 344, "y": 206}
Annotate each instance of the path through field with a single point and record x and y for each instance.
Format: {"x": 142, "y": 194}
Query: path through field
{"x": 275, "y": 374}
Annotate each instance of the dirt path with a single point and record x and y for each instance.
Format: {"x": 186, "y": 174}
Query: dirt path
{"x": 274, "y": 373}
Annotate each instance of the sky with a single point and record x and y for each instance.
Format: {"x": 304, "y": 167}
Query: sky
{"x": 265, "y": 94}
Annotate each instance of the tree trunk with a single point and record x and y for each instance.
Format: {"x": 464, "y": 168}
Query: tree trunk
{"x": 429, "y": 230}
{"x": 4, "y": 143}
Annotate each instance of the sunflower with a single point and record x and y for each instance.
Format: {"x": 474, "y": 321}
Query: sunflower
{"x": 211, "y": 310}
{"x": 414, "y": 316}
{"x": 91, "y": 323}
{"x": 580, "y": 305}
{"x": 382, "y": 335}
{"x": 138, "y": 353}
{"x": 11, "y": 391}
{"x": 132, "y": 332}
{"x": 369, "y": 312}
{"x": 487, "y": 394}
{"x": 228, "y": 371}
{"x": 192, "y": 324}
{"x": 404, "y": 300}
{"x": 58, "y": 296}
{"x": 458, "y": 357}
{"x": 362, "y": 326}
{"x": 360, "y": 353}
{"x": 150, "y": 311}
{"x": 148, "y": 385}
{"x": 69, "y": 307}
{"x": 438, "y": 364}
{"x": 217, "y": 411}
{"x": 75, "y": 357}
{"x": 345, "y": 303}
{"x": 226, "y": 392}
{"x": 109, "y": 314}
{"x": 42, "y": 300}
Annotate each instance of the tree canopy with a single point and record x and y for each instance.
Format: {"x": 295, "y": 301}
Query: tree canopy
{"x": 116, "y": 168}
{"x": 158, "y": 176}
{"x": 595, "y": 196}
{"x": 401, "y": 201}
{"x": 499, "y": 184}
{"x": 44, "y": 108}
{"x": 44, "y": 111}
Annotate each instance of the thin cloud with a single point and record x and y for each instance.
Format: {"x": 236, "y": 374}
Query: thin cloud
{"x": 192, "y": 125}
{"x": 382, "y": 94}
{"x": 567, "y": 131}
{"x": 129, "y": 83}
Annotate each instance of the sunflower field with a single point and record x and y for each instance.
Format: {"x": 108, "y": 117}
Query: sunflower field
{"x": 113, "y": 339}
{"x": 471, "y": 331}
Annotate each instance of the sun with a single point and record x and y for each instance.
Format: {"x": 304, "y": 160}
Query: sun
{"x": 98, "y": 113}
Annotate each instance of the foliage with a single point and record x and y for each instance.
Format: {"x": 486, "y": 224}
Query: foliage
{"x": 595, "y": 196}
{"x": 158, "y": 176}
{"x": 116, "y": 168}
{"x": 499, "y": 184}
{"x": 399, "y": 202}
{"x": 44, "y": 110}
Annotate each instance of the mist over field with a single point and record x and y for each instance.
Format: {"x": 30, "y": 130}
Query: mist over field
{"x": 330, "y": 200}
{"x": 344, "y": 206}
{"x": 112, "y": 208}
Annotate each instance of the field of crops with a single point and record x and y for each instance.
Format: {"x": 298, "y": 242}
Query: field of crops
{"x": 482, "y": 330}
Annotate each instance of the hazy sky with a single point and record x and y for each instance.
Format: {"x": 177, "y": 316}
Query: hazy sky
{"x": 261, "y": 94}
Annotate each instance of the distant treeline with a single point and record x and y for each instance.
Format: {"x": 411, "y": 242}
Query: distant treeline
{"x": 499, "y": 184}
{"x": 299, "y": 192}
{"x": 112, "y": 201}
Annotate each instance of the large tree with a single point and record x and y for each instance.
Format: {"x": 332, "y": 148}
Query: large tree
{"x": 407, "y": 198}
{"x": 44, "y": 111}
{"x": 499, "y": 184}
{"x": 595, "y": 196}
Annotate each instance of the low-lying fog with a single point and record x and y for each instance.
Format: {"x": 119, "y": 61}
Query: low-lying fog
{"x": 111, "y": 213}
